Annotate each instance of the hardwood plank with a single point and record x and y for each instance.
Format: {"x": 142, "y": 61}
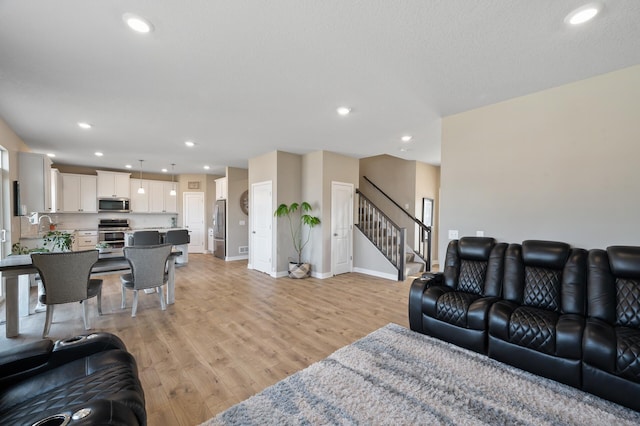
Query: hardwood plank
{"x": 231, "y": 333}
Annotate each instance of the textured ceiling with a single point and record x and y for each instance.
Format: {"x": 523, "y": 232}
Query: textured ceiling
{"x": 246, "y": 77}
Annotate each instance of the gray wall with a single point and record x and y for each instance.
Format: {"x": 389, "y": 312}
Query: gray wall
{"x": 561, "y": 164}
{"x": 237, "y": 221}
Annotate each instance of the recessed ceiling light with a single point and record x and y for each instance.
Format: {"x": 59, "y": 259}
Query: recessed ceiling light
{"x": 137, "y": 23}
{"x": 51, "y": 155}
{"x": 84, "y": 125}
{"x": 127, "y": 166}
{"x": 207, "y": 167}
{"x": 98, "y": 154}
{"x": 406, "y": 138}
{"x": 583, "y": 14}
{"x": 189, "y": 144}
{"x": 164, "y": 170}
{"x": 343, "y": 110}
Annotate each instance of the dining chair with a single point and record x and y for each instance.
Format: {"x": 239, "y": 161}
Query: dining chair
{"x": 148, "y": 270}
{"x": 146, "y": 238}
{"x": 177, "y": 237}
{"x": 66, "y": 277}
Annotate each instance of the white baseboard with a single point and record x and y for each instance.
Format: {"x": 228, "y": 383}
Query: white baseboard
{"x": 232, "y": 258}
{"x": 376, "y": 274}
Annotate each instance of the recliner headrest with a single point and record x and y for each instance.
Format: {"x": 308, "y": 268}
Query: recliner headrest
{"x": 545, "y": 254}
{"x": 624, "y": 261}
{"x": 475, "y": 248}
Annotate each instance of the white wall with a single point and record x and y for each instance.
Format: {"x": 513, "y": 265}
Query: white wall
{"x": 561, "y": 164}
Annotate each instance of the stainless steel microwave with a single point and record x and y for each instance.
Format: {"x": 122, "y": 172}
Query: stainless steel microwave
{"x": 118, "y": 205}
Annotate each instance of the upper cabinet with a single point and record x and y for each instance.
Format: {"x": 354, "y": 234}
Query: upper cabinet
{"x": 113, "y": 184}
{"x": 79, "y": 193}
{"x": 221, "y": 188}
{"x": 160, "y": 198}
{"x": 139, "y": 202}
{"x": 56, "y": 191}
{"x": 34, "y": 176}
{"x": 157, "y": 197}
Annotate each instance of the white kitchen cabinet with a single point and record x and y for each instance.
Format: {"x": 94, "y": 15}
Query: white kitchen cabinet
{"x": 170, "y": 201}
{"x": 79, "y": 193}
{"x": 156, "y": 199}
{"x": 160, "y": 198}
{"x": 113, "y": 184}
{"x": 56, "y": 191}
{"x": 139, "y": 202}
{"x": 86, "y": 240}
{"x": 34, "y": 176}
{"x": 221, "y": 188}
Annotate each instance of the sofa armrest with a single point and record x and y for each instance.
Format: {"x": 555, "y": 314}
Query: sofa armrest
{"x": 101, "y": 411}
{"x": 34, "y": 358}
{"x": 24, "y": 357}
{"x": 418, "y": 287}
{"x": 478, "y": 313}
{"x": 499, "y": 318}
{"x": 599, "y": 345}
{"x": 84, "y": 345}
{"x": 569, "y": 332}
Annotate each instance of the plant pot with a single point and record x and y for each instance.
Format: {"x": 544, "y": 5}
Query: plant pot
{"x": 299, "y": 270}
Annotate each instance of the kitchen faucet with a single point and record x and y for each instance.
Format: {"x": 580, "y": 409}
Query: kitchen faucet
{"x": 40, "y": 219}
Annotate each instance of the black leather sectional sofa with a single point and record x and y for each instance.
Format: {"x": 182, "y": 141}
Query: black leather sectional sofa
{"x": 85, "y": 380}
{"x": 560, "y": 312}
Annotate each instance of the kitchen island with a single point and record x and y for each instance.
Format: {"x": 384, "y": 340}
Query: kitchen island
{"x": 182, "y": 247}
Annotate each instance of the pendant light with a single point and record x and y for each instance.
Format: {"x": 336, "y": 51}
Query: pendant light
{"x": 141, "y": 189}
{"x": 173, "y": 184}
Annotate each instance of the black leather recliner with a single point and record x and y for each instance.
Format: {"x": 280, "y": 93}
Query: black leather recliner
{"x": 454, "y": 305}
{"x": 85, "y": 380}
{"x": 539, "y": 323}
{"x": 611, "y": 345}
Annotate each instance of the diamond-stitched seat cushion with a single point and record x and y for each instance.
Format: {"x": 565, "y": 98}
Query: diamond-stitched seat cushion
{"x": 452, "y": 307}
{"x": 533, "y": 328}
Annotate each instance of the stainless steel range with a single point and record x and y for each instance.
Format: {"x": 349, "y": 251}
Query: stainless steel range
{"x": 112, "y": 232}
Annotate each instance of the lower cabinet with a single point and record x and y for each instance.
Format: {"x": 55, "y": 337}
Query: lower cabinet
{"x": 86, "y": 240}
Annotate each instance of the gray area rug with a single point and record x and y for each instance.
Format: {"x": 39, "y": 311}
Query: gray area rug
{"x": 395, "y": 376}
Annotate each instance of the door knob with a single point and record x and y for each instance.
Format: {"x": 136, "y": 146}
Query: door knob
{"x": 335, "y": 235}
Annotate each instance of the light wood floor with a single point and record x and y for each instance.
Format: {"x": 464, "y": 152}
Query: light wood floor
{"x": 231, "y": 333}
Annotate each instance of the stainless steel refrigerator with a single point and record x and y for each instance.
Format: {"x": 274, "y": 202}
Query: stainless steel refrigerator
{"x": 219, "y": 229}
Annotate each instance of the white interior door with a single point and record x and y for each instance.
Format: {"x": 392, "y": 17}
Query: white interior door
{"x": 341, "y": 227}
{"x": 193, "y": 213}
{"x": 260, "y": 212}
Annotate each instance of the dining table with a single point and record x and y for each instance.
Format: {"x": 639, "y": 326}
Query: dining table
{"x": 16, "y": 269}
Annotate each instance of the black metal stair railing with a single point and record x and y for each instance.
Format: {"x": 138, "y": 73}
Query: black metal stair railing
{"x": 388, "y": 237}
{"x": 423, "y": 232}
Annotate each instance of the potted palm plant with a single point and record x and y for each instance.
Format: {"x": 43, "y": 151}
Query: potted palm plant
{"x": 299, "y": 218}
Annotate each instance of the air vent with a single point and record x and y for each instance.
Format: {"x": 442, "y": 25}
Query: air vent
{"x": 243, "y": 249}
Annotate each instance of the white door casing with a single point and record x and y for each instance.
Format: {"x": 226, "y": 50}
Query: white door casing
{"x": 260, "y": 212}
{"x": 193, "y": 213}
{"x": 341, "y": 227}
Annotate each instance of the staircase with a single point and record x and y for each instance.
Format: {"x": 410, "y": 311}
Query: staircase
{"x": 389, "y": 238}
{"x": 414, "y": 265}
